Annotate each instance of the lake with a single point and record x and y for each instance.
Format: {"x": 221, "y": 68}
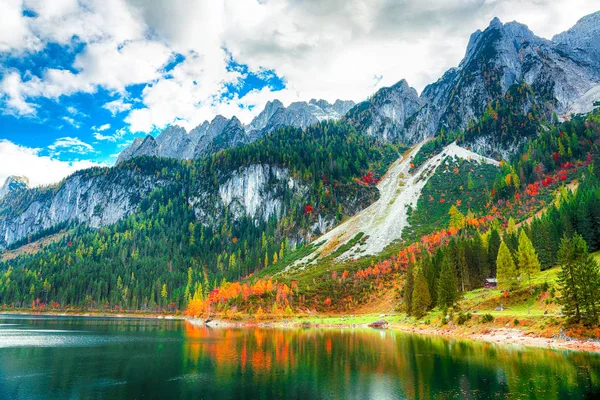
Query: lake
{"x": 102, "y": 358}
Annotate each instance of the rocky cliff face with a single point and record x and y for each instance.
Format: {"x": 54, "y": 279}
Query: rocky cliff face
{"x": 503, "y": 55}
{"x": 255, "y": 191}
{"x": 388, "y": 113}
{"x": 93, "y": 199}
{"x": 221, "y": 136}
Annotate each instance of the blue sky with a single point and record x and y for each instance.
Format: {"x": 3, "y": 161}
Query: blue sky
{"x": 80, "y": 79}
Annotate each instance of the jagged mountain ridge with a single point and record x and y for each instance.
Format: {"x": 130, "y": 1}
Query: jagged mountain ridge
{"x": 564, "y": 74}
{"x": 222, "y": 133}
{"x": 252, "y": 183}
{"x": 560, "y": 72}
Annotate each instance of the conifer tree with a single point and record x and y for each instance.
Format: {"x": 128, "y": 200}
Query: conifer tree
{"x": 479, "y": 263}
{"x": 493, "y": 246}
{"x": 421, "y": 299}
{"x": 579, "y": 278}
{"x": 529, "y": 263}
{"x": 408, "y": 288}
{"x": 505, "y": 269}
{"x": 447, "y": 292}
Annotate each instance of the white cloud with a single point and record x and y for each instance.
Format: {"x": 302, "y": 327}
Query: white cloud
{"x": 119, "y": 133}
{"x": 70, "y": 145}
{"x": 323, "y": 49}
{"x": 101, "y": 128}
{"x": 14, "y": 29}
{"x": 117, "y": 106}
{"x": 41, "y": 170}
{"x": 71, "y": 121}
{"x": 11, "y": 90}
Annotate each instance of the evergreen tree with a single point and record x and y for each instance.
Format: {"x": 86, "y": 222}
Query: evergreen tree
{"x": 579, "y": 278}
{"x": 529, "y": 264}
{"x": 506, "y": 271}
{"x": 478, "y": 265}
{"x": 421, "y": 299}
{"x": 408, "y": 288}
{"x": 447, "y": 292}
{"x": 493, "y": 247}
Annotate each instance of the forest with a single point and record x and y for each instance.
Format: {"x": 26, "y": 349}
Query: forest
{"x": 158, "y": 258}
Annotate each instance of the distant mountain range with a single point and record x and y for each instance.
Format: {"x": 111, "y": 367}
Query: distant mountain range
{"x": 564, "y": 74}
{"x": 222, "y": 133}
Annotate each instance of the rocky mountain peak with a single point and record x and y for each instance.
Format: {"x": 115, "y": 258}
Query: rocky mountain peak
{"x": 582, "y": 41}
{"x": 13, "y": 183}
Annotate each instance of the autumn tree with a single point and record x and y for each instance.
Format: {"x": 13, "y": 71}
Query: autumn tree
{"x": 529, "y": 263}
{"x": 457, "y": 219}
{"x": 505, "y": 269}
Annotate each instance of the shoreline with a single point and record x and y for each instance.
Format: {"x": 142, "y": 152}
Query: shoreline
{"x": 488, "y": 334}
{"x": 496, "y": 335}
{"x": 91, "y": 314}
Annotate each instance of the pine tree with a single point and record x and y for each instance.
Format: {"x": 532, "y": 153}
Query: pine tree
{"x": 447, "y": 292}
{"x": 408, "y": 288}
{"x": 505, "y": 269}
{"x": 461, "y": 266}
{"x": 529, "y": 264}
{"x": 478, "y": 266}
{"x": 421, "y": 299}
{"x": 493, "y": 246}
{"x": 579, "y": 278}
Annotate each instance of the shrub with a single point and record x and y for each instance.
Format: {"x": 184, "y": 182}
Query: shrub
{"x": 463, "y": 318}
{"x": 516, "y": 322}
{"x": 486, "y": 318}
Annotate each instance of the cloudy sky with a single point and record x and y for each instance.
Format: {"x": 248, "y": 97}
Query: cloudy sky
{"x": 79, "y": 79}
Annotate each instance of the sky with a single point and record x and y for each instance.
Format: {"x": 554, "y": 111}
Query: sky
{"x": 80, "y": 79}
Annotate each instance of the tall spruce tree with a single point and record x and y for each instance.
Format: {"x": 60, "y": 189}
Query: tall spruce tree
{"x": 505, "y": 268}
{"x": 408, "y": 288}
{"x": 447, "y": 292}
{"x": 579, "y": 278}
{"x": 493, "y": 247}
{"x": 421, "y": 298}
{"x": 529, "y": 264}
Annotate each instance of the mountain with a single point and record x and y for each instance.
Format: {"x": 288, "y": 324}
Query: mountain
{"x": 95, "y": 197}
{"x": 140, "y": 147}
{"x": 560, "y": 73}
{"x": 222, "y": 133}
{"x": 389, "y": 114}
{"x": 293, "y": 174}
{"x": 13, "y": 183}
{"x": 220, "y": 136}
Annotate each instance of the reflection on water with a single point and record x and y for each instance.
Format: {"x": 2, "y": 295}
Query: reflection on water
{"x": 132, "y": 358}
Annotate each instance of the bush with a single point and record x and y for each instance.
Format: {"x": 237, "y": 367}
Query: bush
{"x": 486, "y": 318}
{"x": 463, "y": 318}
{"x": 516, "y": 322}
